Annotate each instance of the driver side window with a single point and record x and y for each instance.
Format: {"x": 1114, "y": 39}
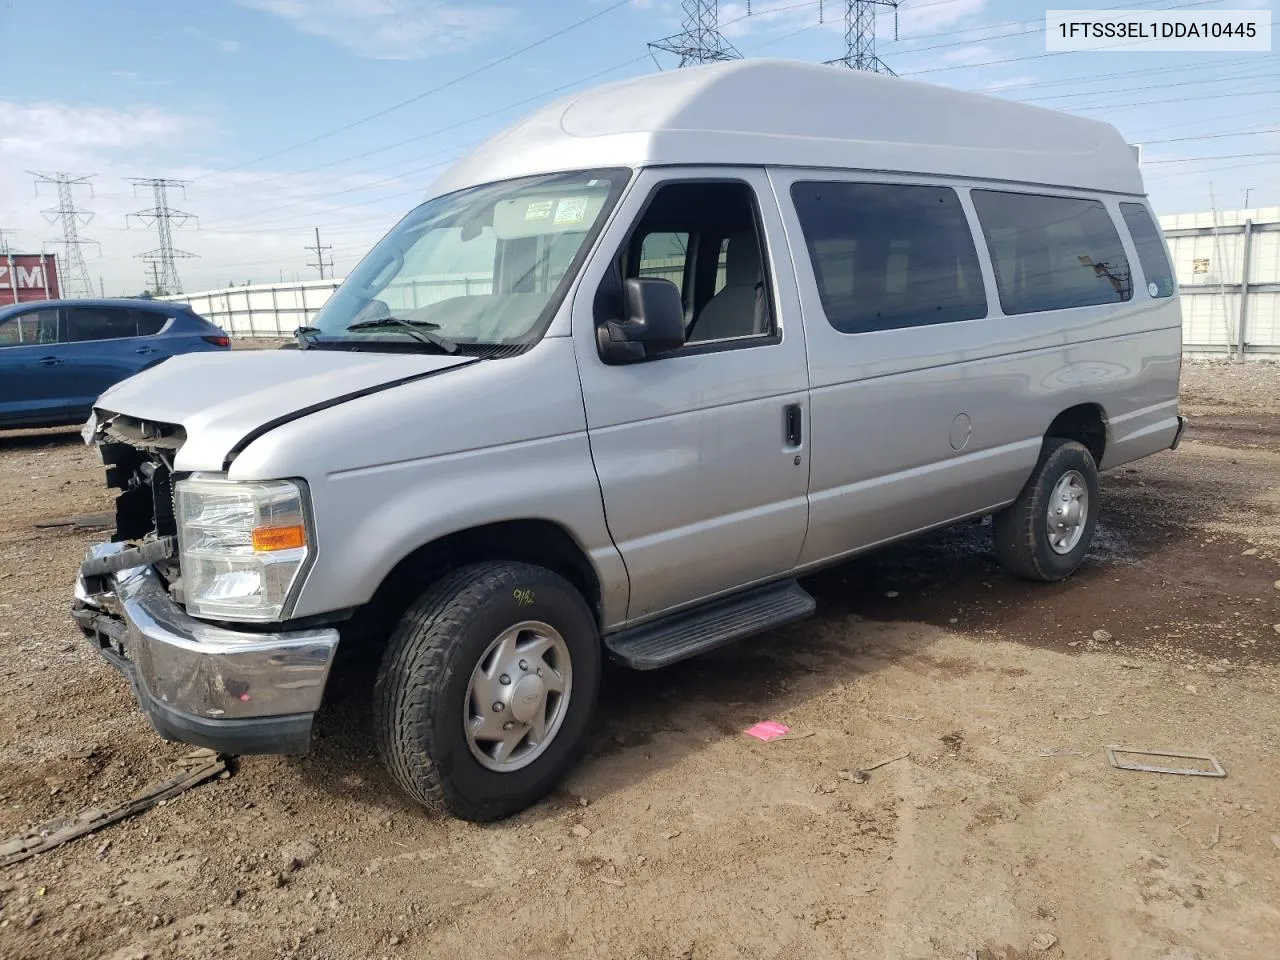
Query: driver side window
{"x": 705, "y": 238}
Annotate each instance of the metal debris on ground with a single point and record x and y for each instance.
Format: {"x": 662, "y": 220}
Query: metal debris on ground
{"x": 864, "y": 774}
{"x": 87, "y": 521}
{"x": 200, "y": 765}
{"x": 1217, "y": 770}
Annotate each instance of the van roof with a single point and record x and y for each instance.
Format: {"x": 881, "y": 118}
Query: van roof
{"x": 790, "y": 113}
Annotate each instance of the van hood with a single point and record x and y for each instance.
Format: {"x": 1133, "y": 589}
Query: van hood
{"x": 223, "y": 401}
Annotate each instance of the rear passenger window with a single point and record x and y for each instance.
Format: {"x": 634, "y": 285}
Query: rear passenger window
{"x": 888, "y": 255}
{"x": 100, "y": 323}
{"x": 1146, "y": 240}
{"x": 149, "y": 324}
{"x": 1052, "y": 253}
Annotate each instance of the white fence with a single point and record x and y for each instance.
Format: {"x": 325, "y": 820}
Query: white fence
{"x": 277, "y": 309}
{"x": 261, "y": 310}
{"x": 1228, "y": 269}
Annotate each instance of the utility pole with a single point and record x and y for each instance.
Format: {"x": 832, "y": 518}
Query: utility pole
{"x": 73, "y": 271}
{"x": 320, "y": 261}
{"x": 163, "y": 216}
{"x": 860, "y": 35}
{"x": 4, "y": 245}
{"x": 102, "y": 290}
{"x": 701, "y": 40}
{"x": 155, "y": 277}
{"x": 1247, "y": 191}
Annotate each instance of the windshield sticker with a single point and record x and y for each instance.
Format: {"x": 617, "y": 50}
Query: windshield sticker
{"x": 571, "y": 210}
{"x": 538, "y": 210}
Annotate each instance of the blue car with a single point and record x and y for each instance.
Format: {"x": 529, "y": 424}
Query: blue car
{"x": 58, "y": 356}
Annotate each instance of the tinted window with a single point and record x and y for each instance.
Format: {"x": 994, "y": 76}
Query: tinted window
{"x": 1146, "y": 240}
{"x": 887, "y": 255}
{"x": 149, "y": 324}
{"x": 100, "y": 323}
{"x": 1051, "y": 253}
{"x": 33, "y": 327}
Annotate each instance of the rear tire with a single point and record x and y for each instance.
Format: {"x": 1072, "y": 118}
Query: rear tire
{"x": 490, "y": 635}
{"x": 1045, "y": 534}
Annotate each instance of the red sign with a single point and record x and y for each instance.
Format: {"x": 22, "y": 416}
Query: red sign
{"x": 28, "y": 276}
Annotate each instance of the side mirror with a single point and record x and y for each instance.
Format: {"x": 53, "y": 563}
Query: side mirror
{"x": 653, "y": 324}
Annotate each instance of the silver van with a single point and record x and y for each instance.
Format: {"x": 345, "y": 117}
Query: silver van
{"x": 638, "y": 363}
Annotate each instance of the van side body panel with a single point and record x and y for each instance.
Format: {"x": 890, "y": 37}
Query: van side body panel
{"x": 915, "y": 427}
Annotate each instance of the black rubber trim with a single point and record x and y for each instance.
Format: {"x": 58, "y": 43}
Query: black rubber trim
{"x": 301, "y": 412}
{"x": 288, "y": 734}
{"x": 1177, "y": 436}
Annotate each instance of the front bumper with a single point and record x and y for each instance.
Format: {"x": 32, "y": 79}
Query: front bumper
{"x": 234, "y": 691}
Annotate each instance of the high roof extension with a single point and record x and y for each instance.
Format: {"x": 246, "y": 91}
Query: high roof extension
{"x": 789, "y": 113}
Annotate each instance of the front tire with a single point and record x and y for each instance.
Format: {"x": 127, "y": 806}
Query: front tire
{"x": 1045, "y": 534}
{"x": 486, "y": 690}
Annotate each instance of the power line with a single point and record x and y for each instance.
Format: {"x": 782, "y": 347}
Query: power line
{"x": 426, "y": 93}
{"x": 74, "y": 273}
{"x": 320, "y": 263}
{"x": 1219, "y": 156}
{"x": 164, "y": 269}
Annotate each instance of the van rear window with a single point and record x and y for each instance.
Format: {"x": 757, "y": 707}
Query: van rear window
{"x": 1151, "y": 255}
{"x": 887, "y": 256}
{"x": 1052, "y": 253}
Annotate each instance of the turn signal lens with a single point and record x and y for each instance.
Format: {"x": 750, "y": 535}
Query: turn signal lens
{"x": 266, "y": 539}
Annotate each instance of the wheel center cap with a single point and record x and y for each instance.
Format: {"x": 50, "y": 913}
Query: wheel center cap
{"x": 528, "y": 698}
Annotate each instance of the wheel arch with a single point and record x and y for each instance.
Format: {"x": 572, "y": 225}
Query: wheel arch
{"x": 1085, "y": 423}
{"x": 539, "y": 541}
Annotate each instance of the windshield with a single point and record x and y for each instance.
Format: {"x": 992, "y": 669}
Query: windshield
{"x": 486, "y": 265}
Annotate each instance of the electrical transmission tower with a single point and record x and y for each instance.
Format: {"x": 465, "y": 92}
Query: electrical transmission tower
{"x": 73, "y": 273}
{"x": 860, "y": 35}
{"x": 701, "y": 40}
{"x": 164, "y": 270}
{"x": 320, "y": 263}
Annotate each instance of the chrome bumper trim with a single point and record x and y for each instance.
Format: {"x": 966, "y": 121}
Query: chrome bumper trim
{"x": 186, "y": 667}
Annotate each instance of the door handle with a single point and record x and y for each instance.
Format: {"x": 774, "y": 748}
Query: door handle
{"x": 145, "y": 350}
{"x": 791, "y": 425}
{"x": 50, "y": 361}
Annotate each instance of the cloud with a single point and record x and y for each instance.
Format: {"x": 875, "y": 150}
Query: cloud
{"x": 392, "y": 29}
{"x": 1008, "y": 83}
{"x": 254, "y": 224}
{"x": 228, "y": 46}
{"x": 977, "y": 53}
{"x": 45, "y": 132}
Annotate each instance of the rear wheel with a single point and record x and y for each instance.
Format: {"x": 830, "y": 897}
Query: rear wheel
{"x": 485, "y": 693}
{"x": 1046, "y": 532}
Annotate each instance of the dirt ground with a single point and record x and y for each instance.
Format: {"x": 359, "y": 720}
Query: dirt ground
{"x": 1004, "y": 834}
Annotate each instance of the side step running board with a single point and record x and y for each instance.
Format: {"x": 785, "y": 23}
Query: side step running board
{"x": 689, "y": 633}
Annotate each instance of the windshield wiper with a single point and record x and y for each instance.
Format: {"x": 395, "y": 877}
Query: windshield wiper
{"x": 421, "y": 330}
{"x": 305, "y": 337}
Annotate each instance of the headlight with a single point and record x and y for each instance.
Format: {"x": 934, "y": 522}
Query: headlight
{"x": 243, "y": 547}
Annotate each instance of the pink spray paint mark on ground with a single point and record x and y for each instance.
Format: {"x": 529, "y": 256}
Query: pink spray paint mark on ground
{"x": 767, "y": 730}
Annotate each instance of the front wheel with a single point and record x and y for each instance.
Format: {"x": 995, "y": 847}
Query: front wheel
{"x": 1046, "y": 532}
{"x": 485, "y": 693}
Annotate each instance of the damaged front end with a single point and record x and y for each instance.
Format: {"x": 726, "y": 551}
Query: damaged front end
{"x": 201, "y": 682}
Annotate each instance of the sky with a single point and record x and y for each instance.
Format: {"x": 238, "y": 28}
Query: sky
{"x": 288, "y": 115}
